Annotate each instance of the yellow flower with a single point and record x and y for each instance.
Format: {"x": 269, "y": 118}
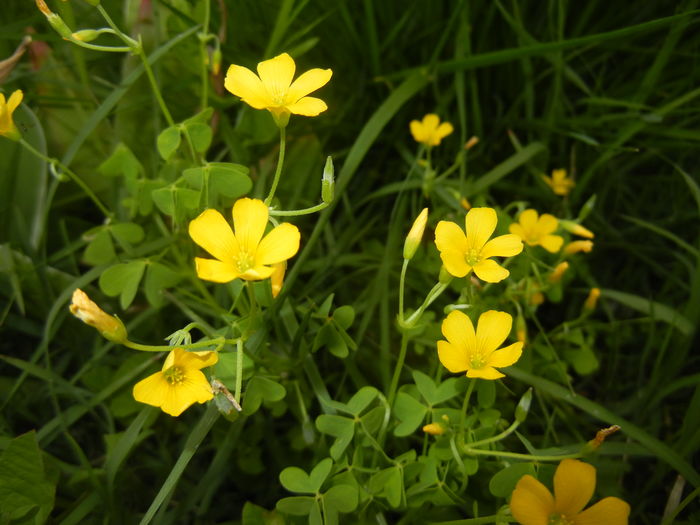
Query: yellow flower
{"x": 242, "y": 253}
{"x": 574, "y": 483}
{"x": 414, "y": 236}
{"x": 272, "y": 88}
{"x": 537, "y": 230}
{"x": 462, "y": 253}
{"x": 7, "y": 125}
{"x": 88, "y": 312}
{"x": 476, "y": 352}
{"x": 430, "y": 132}
{"x": 578, "y": 246}
{"x": 179, "y": 384}
{"x": 559, "y": 182}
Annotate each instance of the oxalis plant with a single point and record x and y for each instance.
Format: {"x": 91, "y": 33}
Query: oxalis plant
{"x": 440, "y": 440}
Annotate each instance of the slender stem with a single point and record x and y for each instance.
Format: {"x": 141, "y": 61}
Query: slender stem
{"x": 503, "y": 454}
{"x": 97, "y": 47}
{"x": 126, "y": 38}
{"x": 280, "y": 162}
{"x": 402, "y": 282}
{"x": 397, "y": 371}
{"x": 203, "y": 53}
{"x": 219, "y": 341}
{"x": 154, "y": 85}
{"x": 239, "y": 370}
{"x": 498, "y": 437}
{"x": 304, "y": 211}
{"x": 70, "y": 174}
{"x": 465, "y": 403}
{"x": 432, "y": 295}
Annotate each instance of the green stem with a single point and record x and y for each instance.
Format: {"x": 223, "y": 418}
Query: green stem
{"x": 304, "y": 211}
{"x": 465, "y": 403}
{"x": 498, "y": 437}
{"x": 402, "y": 282}
{"x": 280, "y": 162}
{"x": 432, "y": 295}
{"x": 138, "y": 49}
{"x": 73, "y": 176}
{"x": 219, "y": 341}
{"x": 514, "y": 455}
{"x": 239, "y": 370}
{"x": 397, "y": 371}
{"x": 203, "y": 53}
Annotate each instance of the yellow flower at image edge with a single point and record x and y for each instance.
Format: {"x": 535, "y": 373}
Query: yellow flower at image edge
{"x": 179, "y": 384}
{"x": 462, "y": 253}
{"x": 242, "y": 253}
{"x": 477, "y": 352}
{"x": 535, "y": 229}
{"x": 7, "y": 125}
{"x": 429, "y": 131}
{"x": 574, "y": 484}
{"x": 272, "y": 88}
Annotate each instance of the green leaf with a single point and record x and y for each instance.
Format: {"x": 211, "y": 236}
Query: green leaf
{"x": 25, "y": 486}
{"x": 295, "y": 479}
{"x": 201, "y": 136}
{"x": 343, "y": 498}
{"x": 127, "y": 232}
{"x": 296, "y": 505}
{"x": 503, "y": 482}
{"x": 344, "y": 316}
{"x": 583, "y": 359}
{"x": 123, "y": 280}
{"x": 653, "y": 309}
{"x": 122, "y": 162}
{"x": 168, "y": 141}
{"x": 100, "y": 250}
{"x": 389, "y": 483}
{"x": 523, "y": 406}
{"x": 158, "y": 278}
{"x": 172, "y": 199}
{"x": 261, "y": 389}
{"x": 410, "y": 412}
{"x": 425, "y": 385}
{"x": 329, "y": 337}
{"x": 256, "y": 515}
{"x": 342, "y": 428}
{"x": 361, "y": 399}
{"x": 486, "y": 393}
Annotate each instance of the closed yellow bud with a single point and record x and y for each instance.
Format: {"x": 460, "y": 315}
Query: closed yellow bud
{"x": 592, "y": 299}
{"x": 578, "y": 246}
{"x": 277, "y": 278}
{"x": 558, "y": 272}
{"x": 86, "y": 35}
{"x": 434, "y": 429}
{"x": 576, "y": 229}
{"x": 415, "y": 235}
{"x": 88, "y": 312}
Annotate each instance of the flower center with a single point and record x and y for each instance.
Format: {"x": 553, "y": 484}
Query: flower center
{"x": 478, "y": 360}
{"x": 472, "y": 257}
{"x": 244, "y": 262}
{"x": 174, "y": 375}
{"x": 559, "y": 519}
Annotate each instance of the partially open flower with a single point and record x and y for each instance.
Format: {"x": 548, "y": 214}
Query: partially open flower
{"x": 578, "y": 246}
{"x": 415, "y": 235}
{"x": 429, "y": 131}
{"x": 88, "y": 312}
{"x": 8, "y": 129}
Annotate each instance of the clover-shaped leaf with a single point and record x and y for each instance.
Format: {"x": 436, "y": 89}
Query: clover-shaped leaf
{"x": 295, "y": 479}
{"x": 410, "y": 412}
{"x": 261, "y": 389}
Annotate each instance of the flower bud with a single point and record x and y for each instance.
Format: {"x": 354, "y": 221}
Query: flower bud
{"x": 473, "y": 141}
{"x": 434, "y": 429}
{"x": 277, "y": 278}
{"x": 576, "y": 229}
{"x": 558, "y": 272}
{"x": 328, "y": 182}
{"x": 86, "y": 35}
{"x": 464, "y": 203}
{"x": 521, "y": 329}
{"x": 216, "y": 61}
{"x": 88, "y": 312}
{"x": 578, "y": 246}
{"x": 56, "y": 21}
{"x": 415, "y": 235}
{"x": 592, "y": 299}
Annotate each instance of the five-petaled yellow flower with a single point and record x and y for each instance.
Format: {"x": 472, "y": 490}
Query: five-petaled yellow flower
{"x": 272, "y": 88}
{"x": 537, "y": 229}
{"x": 559, "y": 182}
{"x": 477, "y": 352}
{"x": 574, "y": 483}
{"x": 462, "y": 253}
{"x": 7, "y": 125}
{"x": 429, "y": 131}
{"x": 179, "y": 384}
{"x": 242, "y": 253}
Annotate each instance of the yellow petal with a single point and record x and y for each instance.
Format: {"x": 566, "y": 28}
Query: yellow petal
{"x": 517, "y": 229}
{"x": 552, "y": 243}
{"x": 280, "y": 244}
{"x": 243, "y": 83}
{"x": 249, "y": 222}
{"x": 443, "y": 130}
{"x": 454, "y": 263}
{"x": 608, "y": 511}
{"x": 257, "y": 273}
{"x": 417, "y": 131}
{"x": 430, "y": 123}
{"x": 308, "y": 83}
{"x": 485, "y": 372}
{"x": 152, "y": 391}
{"x": 480, "y": 223}
{"x": 193, "y": 389}
{"x": 277, "y": 74}
{"x": 491, "y": 330}
{"x": 547, "y": 224}
{"x": 194, "y": 360}
{"x": 211, "y": 231}
{"x": 490, "y": 271}
{"x": 531, "y": 502}
{"x": 277, "y": 278}
{"x": 574, "y": 483}
{"x": 459, "y": 331}
{"x": 307, "y": 106}
{"x": 215, "y": 271}
{"x": 528, "y": 219}
{"x": 452, "y": 358}
{"x": 502, "y": 246}
{"x": 506, "y": 356}
{"x": 14, "y": 100}
{"x": 450, "y": 237}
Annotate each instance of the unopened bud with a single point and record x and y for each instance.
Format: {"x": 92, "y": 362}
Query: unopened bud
{"x": 464, "y": 203}
{"x": 88, "y": 312}
{"x": 56, "y": 21}
{"x": 415, "y": 235}
{"x": 578, "y": 246}
{"x": 86, "y": 35}
{"x": 576, "y": 229}
{"x": 521, "y": 329}
{"x": 434, "y": 429}
{"x": 473, "y": 141}
{"x": 216, "y": 61}
{"x": 277, "y": 278}
{"x": 558, "y": 272}
{"x": 328, "y": 182}
{"x": 592, "y": 299}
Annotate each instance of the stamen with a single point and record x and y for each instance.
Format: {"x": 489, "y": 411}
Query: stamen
{"x": 174, "y": 375}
